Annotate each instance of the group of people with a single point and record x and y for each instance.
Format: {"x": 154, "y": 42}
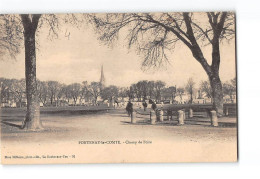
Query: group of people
{"x": 130, "y": 109}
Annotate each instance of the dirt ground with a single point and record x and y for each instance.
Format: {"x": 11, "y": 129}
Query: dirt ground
{"x": 196, "y": 141}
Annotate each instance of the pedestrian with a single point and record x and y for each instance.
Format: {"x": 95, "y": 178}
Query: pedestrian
{"x": 154, "y": 106}
{"x": 117, "y": 103}
{"x": 144, "y": 105}
{"x": 129, "y": 108}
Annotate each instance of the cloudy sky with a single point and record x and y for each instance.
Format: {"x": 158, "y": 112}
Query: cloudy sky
{"x": 80, "y": 57}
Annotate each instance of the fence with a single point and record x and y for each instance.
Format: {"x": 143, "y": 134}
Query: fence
{"x": 185, "y": 111}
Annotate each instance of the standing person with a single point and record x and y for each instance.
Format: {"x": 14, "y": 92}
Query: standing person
{"x": 144, "y": 105}
{"x": 154, "y": 106}
{"x": 129, "y": 108}
{"x": 117, "y": 103}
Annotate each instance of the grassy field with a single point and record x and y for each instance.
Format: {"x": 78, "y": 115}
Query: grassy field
{"x": 68, "y": 110}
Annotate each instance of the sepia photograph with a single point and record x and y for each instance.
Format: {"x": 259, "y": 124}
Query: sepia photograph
{"x": 151, "y": 87}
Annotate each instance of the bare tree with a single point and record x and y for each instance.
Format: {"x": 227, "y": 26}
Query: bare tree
{"x": 206, "y": 89}
{"x": 42, "y": 88}
{"x": 53, "y": 88}
{"x": 151, "y": 89}
{"x": 17, "y": 87}
{"x": 11, "y": 36}
{"x": 59, "y": 94}
{"x": 135, "y": 91}
{"x": 190, "y": 87}
{"x": 142, "y": 87}
{"x": 109, "y": 93}
{"x": 122, "y": 92}
{"x": 83, "y": 91}
{"x": 180, "y": 92}
{"x": 234, "y": 82}
{"x": 229, "y": 89}
{"x": 154, "y": 34}
{"x": 67, "y": 93}
{"x": 94, "y": 90}
{"x": 3, "y": 88}
{"x": 30, "y": 24}
{"x": 16, "y": 30}
{"x": 130, "y": 92}
{"x": 75, "y": 90}
{"x": 169, "y": 93}
{"x": 159, "y": 86}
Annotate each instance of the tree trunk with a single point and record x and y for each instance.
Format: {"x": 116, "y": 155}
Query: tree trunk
{"x": 213, "y": 74}
{"x": 32, "y": 120}
{"x": 216, "y": 85}
{"x": 231, "y": 98}
{"x": 20, "y": 103}
{"x": 51, "y": 99}
{"x": 95, "y": 100}
{"x": 217, "y": 94}
{"x": 213, "y": 69}
{"x": 191, "y": 97}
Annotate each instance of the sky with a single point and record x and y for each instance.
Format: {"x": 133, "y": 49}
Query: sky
{"x": 79, "y": 58}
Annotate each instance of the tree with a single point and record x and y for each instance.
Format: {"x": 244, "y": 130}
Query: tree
{"x": 59, "y": 94}
{"x": 10, "y": 36}
{"x": 109, "y": 93}
{"x": 135, "y": 91}
{"x": 159, "y": 86}
{"x": 42, "y": 88}
{"x": 94, "y": 90}
{"x": 229, "y": 89}
{"x": 67, "y": 93}
{"x": 234, "y": 82}
{"x": 15, "y": 29}
{"x": 206, "y": 89}
{"x": 122, "y": 92}
{"x": 4, "y": 91}
{"x": 131, "y": 92}
{"x": 14, "y": 26}
{"x": 53, "y": 89}
{"x": 83, "y": 91}
{"x": 151, "y": 86}
{"x": 17, "y": 87}
{"x": 180, "y": 92}
{"x": 154, "y": 34}
{"x": 30, "y": 25}
{"x": 142, "y": 89}
{"x": 75, "y": 90}
{"x": 190, "y": 87}
{"x": 169, "y": 93}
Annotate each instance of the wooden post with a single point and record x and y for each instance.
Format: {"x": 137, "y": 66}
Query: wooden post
{"x": 168, "y": 115}
{"x": 226, "y": 113}
{"x": 157, "y": 113}
{"x": 181, "y": 116}
{"x": 152, "y": 117}
{"x": 214, "y": 118}
{"x": 133, "y": 120}
{"x": 190, "y": 113}
{"x": 161, "y": 115}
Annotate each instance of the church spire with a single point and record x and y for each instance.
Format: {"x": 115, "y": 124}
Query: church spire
{"x": 102, "y": 78}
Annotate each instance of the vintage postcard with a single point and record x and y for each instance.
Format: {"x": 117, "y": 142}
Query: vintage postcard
{"x": 118, "y": 88}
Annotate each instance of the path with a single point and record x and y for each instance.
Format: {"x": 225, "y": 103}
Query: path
{"x": 169, "y": 142}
